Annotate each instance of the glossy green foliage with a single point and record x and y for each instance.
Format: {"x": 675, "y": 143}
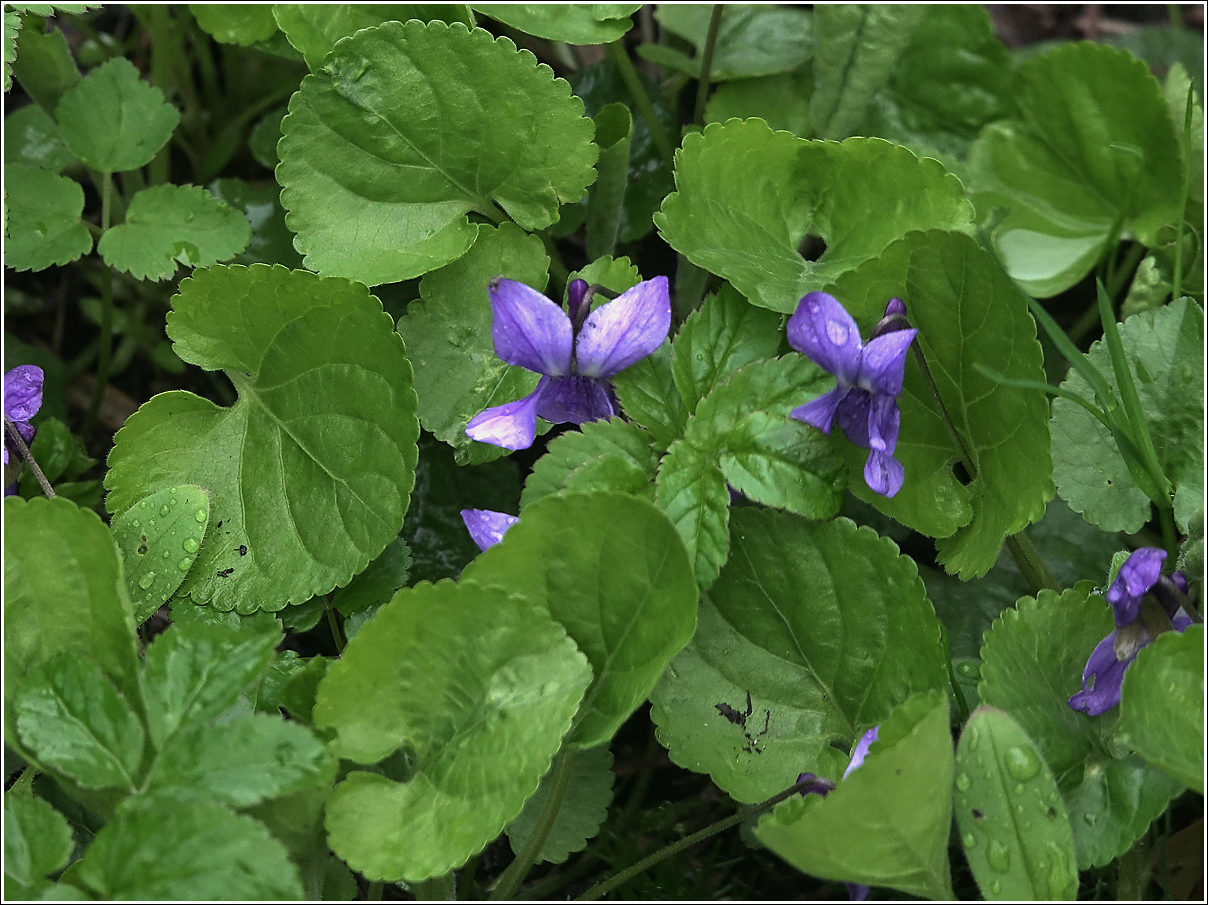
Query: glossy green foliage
{"x": 583, "y": 810}
{"x": 1094, "y": 146}
{"x": 271, "y": 241}
{"x": 888, "y": 822}
{"x": 1032, "y": 661}
{"x": 812, "y": 633}
{"x": 602, "y": 455}
{"x": 648, "y": 396}
{"x": 63, "y": 593}
{"x": 782, "y": 101}
{"x": 858, "y": 48}
{"x": 751, "y": 40}
{"x": 44, "y": 65}
{"x": 113, "y": 120}
{"x": 746, "y": 198}
{"x": 167, "y": 224}
{"x": 579, "y": 23}
{"x": 37, "y": 843}
{"x": 1162, "y": 689}
{"x": 448, "y": 336}
{"x": 563, "y": 555}
{"x": 949, "y": 284}
{"x": 691, "y": 490}
{"x": 614, "y": 129}
{"x": 322, "y": 438}
{"x": 1165, "y": 349}
{"x": 235, "y": 23}
{"x": 1013, "y": 823}
{"x": 478, "y": 688}
{"x": 382, "y": 158}
{"x": 43, "y": 225}
{"x": 313, "y": 28}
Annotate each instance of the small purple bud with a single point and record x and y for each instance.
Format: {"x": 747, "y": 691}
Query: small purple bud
{"x": 895, "y": 307}
{"x": 578, "y": 302}
{"x": 895, "y": 319}
{"x": 818, "y": 785}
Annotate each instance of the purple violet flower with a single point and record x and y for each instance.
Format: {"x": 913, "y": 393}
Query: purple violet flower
{"x": 865, "y": 402}
{"x": 22, "y": 399}
{"x": 576, "y": 354}
{"x": 486, "y": 526}
{"x": 1138, "y": 621}
{"x": 857, "y": 892}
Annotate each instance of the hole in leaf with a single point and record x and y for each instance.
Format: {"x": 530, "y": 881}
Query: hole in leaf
{"x": 812, "y": 247}
{"x": 962, "y": 475}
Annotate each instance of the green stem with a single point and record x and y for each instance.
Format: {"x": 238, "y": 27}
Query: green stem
{"x": 1122, "y": 273}
{"x": 616, "y": 52}
{"x": 436, "y": 889}
{"x": 1170, "y": 537}
{"x": 1029, "y": 563}
{"x": 511, "y": 879}
{"x": 336, "y": 634}
{"x": 106, "y": 339}
{"x": 547, "y": 886}
{"x": 1177, "y": 280}
{"x": 1176, "y": 16}
{"x": 706, "y": 64}
{"x": 961, "y": 704}
{"x": 374, "y": 893}
{"x": 606, "y": 886}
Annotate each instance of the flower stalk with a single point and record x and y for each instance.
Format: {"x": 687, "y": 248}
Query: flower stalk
{"x": 511, "y": 878}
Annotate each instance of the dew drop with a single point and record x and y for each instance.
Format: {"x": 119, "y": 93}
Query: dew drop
{"x": 188, "y": 218}
{"x": 167, "y": 554}
{"x": 147, "y": 580}
{"x": 164, "y": 510}
{"x": 969, "y": 839}
{"x": 142, "y": 504}
{"x": 173, "y": 502}
{"x": 998, "y": 856}
{"x": 200, "y": 515}
{"x": 1090, "y": 819}
{"x": 191, "y": 545}
{"x": 974, "y": 737}
{"x": 836, "y": 332}
{"x": 996, "y": 887}
{"x": 136, "y": 523}
{"x": 969, "y": 670}
{"x": 1022, "y": 763}
{"x": 963, "y": 782}
{"x": 184, "y": 564}
{"x": 151, "y": 523}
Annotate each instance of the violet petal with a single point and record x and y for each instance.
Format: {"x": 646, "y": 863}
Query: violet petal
{"x": 852, "y": 417}
{"x": 529, "y": 330}
{"x": 1139, "y": 573}
{"x": 575, "y": 400}
{"x": 1101, "y": 679}
{"x": 858, "y": 892}
{"x": 23, "y": 392}
{"x": 576, "y": 301}
{"x": 895, "y": 308}
{"x": 884, "y": 474}
{"x": 625, "y": 330}
{"x": 883, "y": 362}
{"x": 861, "y": 750}
{"x": 820, "y": 412}
{"x": 822, "y": 329}
{"x": 884, "y": 420}
{"x": 486, "y": 526}
{"x": 512, "y": 426}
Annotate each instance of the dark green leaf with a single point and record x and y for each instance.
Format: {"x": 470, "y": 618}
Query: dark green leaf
{"x": 44, "y": 66}
{"x": 584, "y": 807}
{"x": 271, "y": 242}
{"x": 232, "y": 23}
{"x": 378, "y": 582}
{"x": 37, "y": 840}
{"x": 648, "y": 395}
{"x": 751, "y": 40}
{"x": 574, "y": 23}
{"x": 31, "y": 139}
{"x": 570, "y": 459}
{"x": 313, "y": 28}
{"x": 43, "y": 225}
{"x": 614, "y": 126}
{"x": 782, "y": 101}
{"x": 691, "y": 490}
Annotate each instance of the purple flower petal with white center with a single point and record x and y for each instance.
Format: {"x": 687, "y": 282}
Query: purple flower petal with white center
{"x": 575, "y": 400}
{"x": 1101, "y": 679}
{"x": 625, "y": 330}
{"x": 529, "y": 330}
{"x": 486, "y": 526}
{"x": 22, "y": 400}
{"x": 822, "y": 329}
{"x": 512, "y": 426}
{"x": 1139, "y": 573}
{"x": 883, "y": 362}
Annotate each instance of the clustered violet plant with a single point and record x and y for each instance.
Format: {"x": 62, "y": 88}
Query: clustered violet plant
{"x": 334, "y": 609}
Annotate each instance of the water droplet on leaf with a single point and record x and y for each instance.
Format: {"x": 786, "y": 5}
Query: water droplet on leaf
{"x": 836, "y": 332}
{"x": 147, "y": 580}
{"x": 963, "y": 782}
{"x": 142, "y": 504}
{"x": 969, "y": 670}
{"x": 164, "y": 510}
{"x": 1022, "y": 763}
{"x": 200, "y": 515}
{"x": 191, "y": 545}
{"x": 136, "y": 523}
{"x": 969, "y": 839}
{"x": 184, "y": 564}
{"x": 998, "y": 856}
{"x": 974, "y": 738}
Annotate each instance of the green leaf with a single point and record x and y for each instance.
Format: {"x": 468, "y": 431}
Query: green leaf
{"x": 240, "y": 762}
{"x": 37, "y": 841}
{"x": 1032, "y": 662}
{"x": 648, "y": 396}
{"x": 946, "y": 281}
{"x": 378, "y": 582}
{"x": 691, "y": 491}
{"x": 1014, "y": 827}
{"x": 461, "y": 675}
{"x": 63, "y": 593}
{"x": 746, "y": 198}
{"x": 235, "y": 24}
{"x": 321, "y": 439}
{"x": 581, "y": 23}
{"x": 43, "y": 225}
{"x": 448, "y": 336}
{"x": 113, "y": 120}
{"x": 378, "y": 173}
{"x": 584, "y": 807}
{"x": 906, "y": 782}
{"x": 31, "y": 139}
{"x": 751, "y": 40}
{"x": 1162, "y": 705}
{"x": 1094, "y": 145}
{"x": 314, "y": 28}
{"x": 571, "y": 457}
{"x": 826, "y": 628}
{"x": 170, "y": 223}
{"x": 195, "y": 673}
{"x": 75, "y": 722}
{"x": 615, "y": 274}
{"x": 724, "y": 334}
{"x": 858, "y": 49}
{"x": 614, "y": 128}
{"x": 159, "y": 539}
{"x": 185, "y": 612}
{"x": 45, "y": 66}
{"x": 203, "y": 852}
{"x": 782, "y": 101}
{"x": 271, "y": 242}
{"x": 12, "y": 26}
{"x": 562, "y": 555}
{"x": 1164, "y": 349}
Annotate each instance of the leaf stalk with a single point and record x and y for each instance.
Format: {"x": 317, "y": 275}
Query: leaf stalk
{"x": 618, "y": 55}
{"x": 511, "y": 879}
{"x": 706, "y": 64}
